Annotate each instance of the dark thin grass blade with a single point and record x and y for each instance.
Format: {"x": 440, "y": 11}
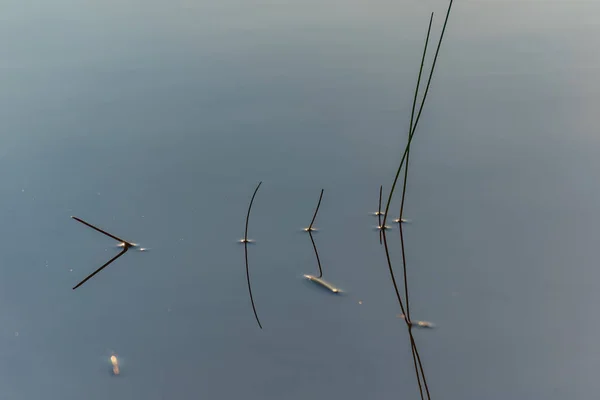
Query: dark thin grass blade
{"x": 412, "y": 131}
{"x": 379, "y": 214}
{"x": 417, "y": 361}
{"x": 102, "y": 267}
{"x": 415, "y": 353}
{"x": 311, "y": 236}
{"x": 316, "y": 254}
{"x": 416, "y": 358}
{"x": 392, "y": 275}
{"x": 416, "y": 365}
{"x": 395, "y": 284}
{"x": 101, "y": 231}
{"x": 246, "y": 256}
{"x": 411, "y": 134}
{"x": 384, "y": 236}
{"x": 402, "y": 239}
{"x": 316, "y": 210}
{"x": 406, "y": 169}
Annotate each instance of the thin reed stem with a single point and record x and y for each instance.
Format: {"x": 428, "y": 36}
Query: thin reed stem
{"x": 317, "y": 254}
{"x": 102, "y": 231}
{"x": 102, "y": 267}
{"x": 311, "y": 236}
{"x": 412, "y": 130}
{"x": 414, "y": 350}
{"x": 393, "y": 277}
{"x": 246, "y": 256}
{"x": 379, "y": 214}
{"x": 414, "y": 345}
{"x": 412, "y": 133}
{"x": 414, "y": 356}
{"x": 316, "y": 210}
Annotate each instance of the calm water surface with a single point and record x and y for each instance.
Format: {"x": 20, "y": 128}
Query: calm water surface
{"x": 156, "y": 119}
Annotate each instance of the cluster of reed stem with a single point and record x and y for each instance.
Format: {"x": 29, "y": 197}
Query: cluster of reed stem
{"x": 414, "y": 121}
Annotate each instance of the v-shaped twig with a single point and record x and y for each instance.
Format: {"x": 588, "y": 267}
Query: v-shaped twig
{"x": 126, "y": 246}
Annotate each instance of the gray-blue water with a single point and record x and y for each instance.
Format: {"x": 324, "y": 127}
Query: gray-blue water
{"x": 156, "y": 119}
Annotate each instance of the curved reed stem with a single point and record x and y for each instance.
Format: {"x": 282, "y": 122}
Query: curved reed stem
{"x": 311, "y": 236}
{"x": 316, "y": 210}
{"x": 246, "y": 256}
{"x": 379, "y": 214}
{"x": 412, "y": 133}
{"x": 416, "y": 365}
{"x": 412, "y": 130}
{"x": 414, "y": 350}
{"x": 316, "y": 254}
